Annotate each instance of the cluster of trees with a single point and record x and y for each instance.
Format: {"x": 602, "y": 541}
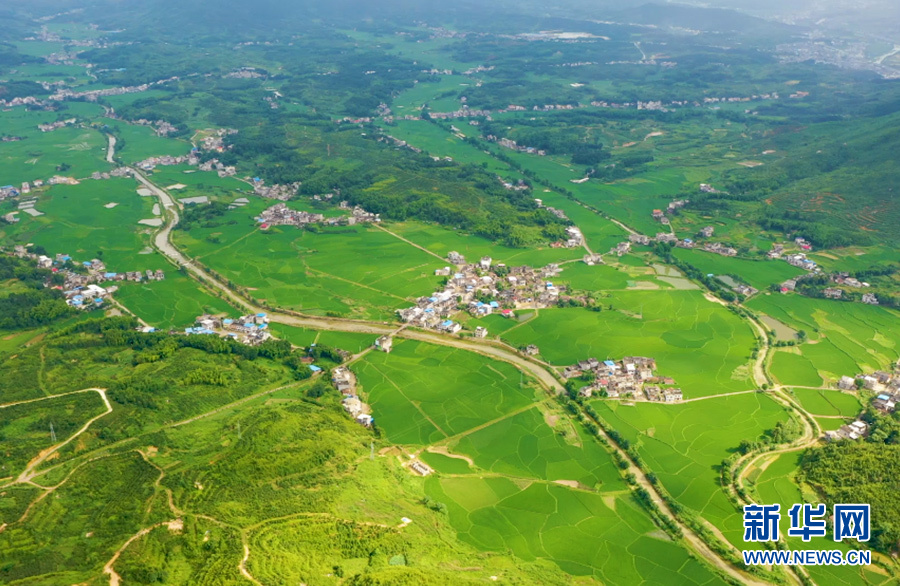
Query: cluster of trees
{"x": 399, "y": 185}
{"x": 37, "y": 305}
{"x": 815, "y": 287}
{"x": 860, "y": 472}
{"x": 156, "y": 346}
{"x": 202, "y": 215}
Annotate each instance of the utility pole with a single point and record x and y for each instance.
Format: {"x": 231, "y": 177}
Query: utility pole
{"x": 239, "y": 431}
{"x": 372, "y": 451}
{"x": 52, "y": 434}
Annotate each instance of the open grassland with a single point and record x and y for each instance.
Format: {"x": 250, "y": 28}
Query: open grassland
{"x": 684, "y": 445}
{"x": 844, "y": 338}
{"x": 356, "y": 271}
{"x": 77, "y": 222}
{"x": 421, "y": 394}
{"x": 25, "y": 430}
{"x": 173, "y": 302}
{"x": 759, "y": 273}
{"x": 828, "y": 403}
{"x": 674, "y": 327}
{"x": 608, "y": 538}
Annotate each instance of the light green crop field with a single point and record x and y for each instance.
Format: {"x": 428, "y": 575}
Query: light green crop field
{"x": 526, "y": 446}
{"x": 197, "y": 183}
{"x": 674, "y": 327}
{"x": 173, "y": 302}
{"x": 760, "y": 274}
{"x": 845, "y": 338}
{"x": 684, "y": 444}
{"x": 825, "y": 402}
{"x": 71, "y": 151}
{"x": 353, "y": 271}
{"x": 137, "y": 143}
{"x": 581, "y": 277}
{"x": 791, "y": 368}
{"x": 421, "y": 393}
{"x": 442, "y": 241}
{"x": 77, "y": 222}
{"x": 586, "y": 534}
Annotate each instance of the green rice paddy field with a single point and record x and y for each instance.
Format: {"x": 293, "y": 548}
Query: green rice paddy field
{"x": 421, "y": 393}
{"x": 77, "y": 222}
{"x": 828, "y": 403}
{"x": 538, "y": 486}
{"x": 355, "y": 271}
{"x": 41, "y": 154}
{"x": 792, "y": 368}
{"x": 759, "y": 273}
{"x": 684, "y": 445}
{"x": 141, "y": 142}
{"x": 441, "y": 241}
{"x": 607, "y": 537}
{"x": 674, "y": 327}
{"x": 173, "y": 302}
{"x": 844, "y": 338}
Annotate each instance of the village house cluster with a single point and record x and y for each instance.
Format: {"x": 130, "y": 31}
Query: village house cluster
{"x": 663, "y": 216}
{"x": 161, "y": 127}
{"x": 632, "y": 376}
{"x": 56, "y": 125}
{"x": 281, "y": 215}
{"x": 95, "y": 271}
{"x": 344, "y": 381}
{"x": 280, "y": 192}
{"x": 252, "y": 329}
{"x": 483, "y": 289}
{"x": 887, "y": 387}
{"x": 852, "y": 431}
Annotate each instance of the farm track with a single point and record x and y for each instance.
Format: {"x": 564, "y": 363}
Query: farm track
{"x": 29, "y": 473}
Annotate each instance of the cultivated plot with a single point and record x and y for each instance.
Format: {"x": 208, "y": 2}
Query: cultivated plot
{"x": 675, "y": 328}
{"x": 421, "y": 394}
{"x": 685, "y": 444}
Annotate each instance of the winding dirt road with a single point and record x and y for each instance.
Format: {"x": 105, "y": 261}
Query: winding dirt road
{"x": 29, "y": 473}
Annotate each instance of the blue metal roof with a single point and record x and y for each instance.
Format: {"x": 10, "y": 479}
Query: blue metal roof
{"x": 315, "y": 368}
{"x": 609, "y": 363}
